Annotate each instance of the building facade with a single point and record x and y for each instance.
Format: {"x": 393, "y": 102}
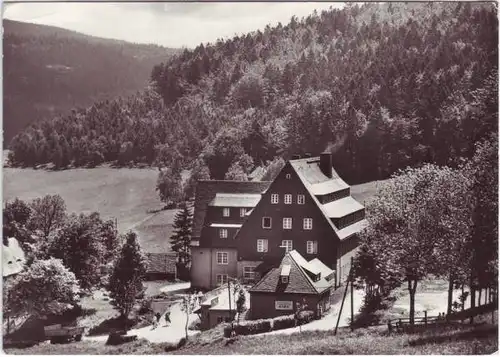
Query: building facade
{"x": 243, "y": 229}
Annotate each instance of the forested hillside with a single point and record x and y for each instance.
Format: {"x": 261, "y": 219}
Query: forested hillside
{"x": 382, "y": 86}
{"x": 49, "y": 70}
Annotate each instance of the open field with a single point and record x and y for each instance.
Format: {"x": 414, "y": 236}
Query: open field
{"x": 127, "y": 194}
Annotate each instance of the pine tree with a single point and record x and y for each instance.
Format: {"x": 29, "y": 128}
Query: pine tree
{"x": 181, "y": 239}
{"x": 128, "y": 273}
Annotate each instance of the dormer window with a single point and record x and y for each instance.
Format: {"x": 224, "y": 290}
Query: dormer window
{"x": 285, "y": 273}
{"x": 225, "y": 212}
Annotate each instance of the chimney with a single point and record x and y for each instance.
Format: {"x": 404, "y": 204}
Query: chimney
{"x": 325, "y": 163}
{"x": 295, "y": 157}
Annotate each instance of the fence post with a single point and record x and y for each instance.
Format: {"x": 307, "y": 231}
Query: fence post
{"x": 425, "y": 318}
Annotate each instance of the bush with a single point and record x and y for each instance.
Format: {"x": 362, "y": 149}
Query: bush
{"x": 145, "y": 306}
{"x": 282, "y": 322}
{"x": 249, "y": 327}
{"x": 305, "y": 317}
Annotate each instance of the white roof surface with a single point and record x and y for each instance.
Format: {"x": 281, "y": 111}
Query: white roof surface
{"x": 353, "y": 228}
{"x": 225, "y": 225}
{"x": 342, "y": 207}
{"x": 235, "y": 200}
{"x": 285, "y": 270}
{"x": 13, "y": 258}
{"x": 323, "y": 188}
{"x": 304, "y": 263}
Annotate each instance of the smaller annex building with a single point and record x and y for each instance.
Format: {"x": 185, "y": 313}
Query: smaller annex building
{"x": 296, "y": 280}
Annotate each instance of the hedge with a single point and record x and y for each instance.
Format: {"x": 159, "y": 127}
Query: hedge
{"x": 253, "y": 327}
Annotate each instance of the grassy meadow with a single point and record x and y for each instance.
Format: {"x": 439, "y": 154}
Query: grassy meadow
{"x": 127, "y": 194}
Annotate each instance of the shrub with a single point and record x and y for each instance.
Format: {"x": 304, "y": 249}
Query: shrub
{"x": 249, "y": 327}
{"x": 145, "y": 306}
{"x": 305, "y": 317}
{"x": 283, "y": 322}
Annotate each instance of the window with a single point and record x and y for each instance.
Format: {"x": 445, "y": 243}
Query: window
{"x": 284, "y": 279}
{"x": 287, "y": 244}
{"x": 288, "y": 199}
{"x": 262, "y": 245}
{"x": 243, "y": 212}
{"x": 221, "y": 279}
{"x": 312, "y": 247}
{"x": 301, "y": 199}
{"x": 225, "y": 212}
{"x": 266, "y": 222}
{"x": 222, "y": 258}
{"x": 287, "y": 223}
{"x": 288, "y": 176}
{"x": 308, "y": 223}
{"x": 223, "y": 233}
{"x": 275, "y": 198}
{"x": 249, "y": 273}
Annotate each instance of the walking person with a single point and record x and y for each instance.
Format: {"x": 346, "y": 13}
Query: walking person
{"x": 167, "y": 318}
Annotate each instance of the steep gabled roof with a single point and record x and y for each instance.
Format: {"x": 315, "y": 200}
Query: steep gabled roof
{"x": 299, "y": 281}
{"x": 161, "y": 263}
{"x": 207, "y": 190}
{"x": 312, "y": 177}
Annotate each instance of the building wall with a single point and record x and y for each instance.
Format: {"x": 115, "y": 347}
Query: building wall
{"x": 349, "y": 248}
{"x": 252, "y": 230}
{"x": 262, "y": 305}
{"x": 200, "y": 267}
{"x": 230, "y": 269}
{"x": 211, "y": 236}
{"x": 247, "y": 263}
{"x": 216, "y": 315}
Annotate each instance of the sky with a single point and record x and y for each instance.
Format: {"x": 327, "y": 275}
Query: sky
{"x": 167, "y": 24}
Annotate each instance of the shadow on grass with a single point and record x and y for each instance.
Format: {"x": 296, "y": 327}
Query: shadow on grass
{"x": 477, "y": 333}
{"x": 112, "y": 325}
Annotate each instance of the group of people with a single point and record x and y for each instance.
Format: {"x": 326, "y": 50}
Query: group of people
{"x": 157, "y": 317}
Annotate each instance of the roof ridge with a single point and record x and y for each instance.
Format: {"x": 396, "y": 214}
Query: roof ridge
{"x": 304, "y": 274}
{"x": 237, "y": 182}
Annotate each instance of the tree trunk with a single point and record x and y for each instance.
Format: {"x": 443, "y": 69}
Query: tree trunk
{"x": 472, "y": 302}
{"x": 186, "y": 327}
{"x": 450, "y": 295}
{"x": 412, "y": 287}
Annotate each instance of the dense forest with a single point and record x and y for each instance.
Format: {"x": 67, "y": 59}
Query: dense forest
{"x": 49, "y": 70}
{"x": 382, "y": 86}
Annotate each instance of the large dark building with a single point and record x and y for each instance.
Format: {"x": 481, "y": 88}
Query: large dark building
{"x": 243, "y": 229}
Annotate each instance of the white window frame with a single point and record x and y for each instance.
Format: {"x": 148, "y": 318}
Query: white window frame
{"x": 223, "y": 233}
{"x": 285, "y": 279}
{"x": 270, "y": 223}
{"x": 243, "y": 212}
{"x": 287, "y": 244}
{"x": 288, "y": 176}
{"x": 262, "y": 245}
{"x": 288, "y": 199}
{"x": 312, "y": 247}
{"x": 307, "y": 224}
{"x": 301, "y": 199}
{"x": 222, "y": 280}
{"x": 249, "y": 275}
{"x": 287, "y": 220}
{"x": 221, "y": 255}
{"x": 275, "y": 198}
{"x": 226, "y": 212}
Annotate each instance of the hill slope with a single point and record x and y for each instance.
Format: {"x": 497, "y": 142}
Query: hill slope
{"x": 382, "y": 86}
{"x": 125, "y": 194}
{"x": 49, "y": 70}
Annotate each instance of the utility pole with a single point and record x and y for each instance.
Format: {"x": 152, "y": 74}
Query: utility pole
{"x": 342, "y": 305}
{"x": 352, "y": 294}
